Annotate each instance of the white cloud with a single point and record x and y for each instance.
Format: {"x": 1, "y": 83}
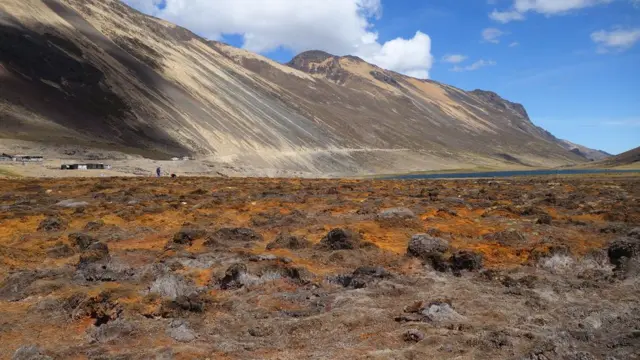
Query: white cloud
{"x": 340, "y": 27}
{"x": 475, "y": 66}
{"x": 619, "y": 39}
{"x": 492, "y": 35}
{"x": 545, "y": 7}
{"x": 514, "y": 44}
{"x": 505, "y": 16}
{"x": 454, "y": 59}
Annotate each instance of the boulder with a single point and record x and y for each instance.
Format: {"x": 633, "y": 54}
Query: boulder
{"x": 340, "y": 239}
{"x": 111, "y": 331}
{"x": 544, "y": 219}
{"x": 172, "y": 286}
{"x": 81, "y": 241}
{"x": 622, "y": 249}
{"x": 71, "y": 203}
{"x": 232, "y": 235}
{"x": 424, "y": 246}
{"x": 509, "y": 237}
{"x": 94, "y": 225}
{"x": 285, "y": 240}
{"x": 396, "y": 213}
{"x": 52, "y": 223}
{"x": 233, "y": 276}
{"x": 60, "y": 251}
{"x": 30, "y": 352}
{"x": 466, "y": 260}
{"x": 413, "y": 335}
{"x": 179, "y": 331}
{"x": 186, "y": 236}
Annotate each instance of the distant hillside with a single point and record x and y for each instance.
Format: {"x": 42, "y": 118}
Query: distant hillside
{"x": 590, "y": 154}
{"x": 631, "y": 157}
{"x": 100, "y": 74}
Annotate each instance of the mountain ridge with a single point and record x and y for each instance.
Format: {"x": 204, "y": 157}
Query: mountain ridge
{"x": 112, "y": 76}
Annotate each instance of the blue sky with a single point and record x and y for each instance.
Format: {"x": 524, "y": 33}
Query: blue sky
{"x": 574, "y": 64}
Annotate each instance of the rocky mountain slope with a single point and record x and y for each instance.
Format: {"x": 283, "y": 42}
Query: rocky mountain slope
{"x": 590, "y": 154}
{"x": 629, "y": 158}
{"x": 98, "y": 73}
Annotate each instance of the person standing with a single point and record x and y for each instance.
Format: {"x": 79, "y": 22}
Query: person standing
{"x": 158, "y": 172}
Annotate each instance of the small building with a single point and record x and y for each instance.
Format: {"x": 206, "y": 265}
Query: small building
{"x": 28, "y": 158}
{"x": 85, "y": 167}
{"x": 22, "y": 158}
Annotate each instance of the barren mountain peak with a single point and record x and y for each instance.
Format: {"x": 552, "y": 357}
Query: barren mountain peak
{"x": 120, "y": 79}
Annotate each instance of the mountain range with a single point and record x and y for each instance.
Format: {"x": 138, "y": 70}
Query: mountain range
{"x": 98, "y": 73}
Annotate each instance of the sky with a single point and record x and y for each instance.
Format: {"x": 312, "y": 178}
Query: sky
{"x": 573, "y": 64}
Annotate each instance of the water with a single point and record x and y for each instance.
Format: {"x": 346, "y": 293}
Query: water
{"x": 502, "y": 174}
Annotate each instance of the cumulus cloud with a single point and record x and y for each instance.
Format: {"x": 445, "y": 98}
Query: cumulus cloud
{"x": 615, "y": 40}
{"x": 475, "y": 66}
{"x": 340, "y": 27}
{"x": 454, "y": 58}
{"x": 492, "y": 35}
{"x": 546, "y": 7}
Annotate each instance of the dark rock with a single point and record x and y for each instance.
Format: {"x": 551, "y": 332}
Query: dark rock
{"x": 498, "y": 339}
{"x": 372, "y": 271}
{"x": 60, "y": 251}
{"x": 544, "y": 219}
{"x": 194, "y": 303}
{"x": 362, "y": 276}
{"x": 466, "y": 260}
{"x": 81, "y": 241}
{"x": 232, "y": 235}
{"x": 20, "y": 285}
{"x": 51, "y": 224}
{"x": 104, "y": 307}
{"x": 623, "y": 248}
{"x": 510, "y": 237}
{"x": 232, "y": 277}
{"x": 287, "y": 241}
{"x": 95, "y": 252}
{"x": 298, "y": 274}
{"x": 94, "y": 225}
{"x": 634, "y": 233}
{"x": 260, "y": 331}
{"x": 30, "y": 352}
{"x": 187, "y": 236}
{"x": 413, "y": 335}
{"x": 340, "y": 239}
{"x": 446, "y": 212}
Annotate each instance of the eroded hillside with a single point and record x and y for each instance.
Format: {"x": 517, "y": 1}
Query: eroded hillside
{"x": 98, "y": 73}
{"x": 195, "y": 268}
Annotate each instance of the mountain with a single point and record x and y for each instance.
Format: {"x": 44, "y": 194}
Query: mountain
{"x": 590, "y": 154}
{"x": 97, "y": 73}
{"x": 629, "y": 158}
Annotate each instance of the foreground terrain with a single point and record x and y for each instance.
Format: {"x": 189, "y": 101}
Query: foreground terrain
{"x": 195, "y": 268}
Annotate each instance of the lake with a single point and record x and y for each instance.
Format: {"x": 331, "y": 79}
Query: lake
{"x": 502, "y": 174}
